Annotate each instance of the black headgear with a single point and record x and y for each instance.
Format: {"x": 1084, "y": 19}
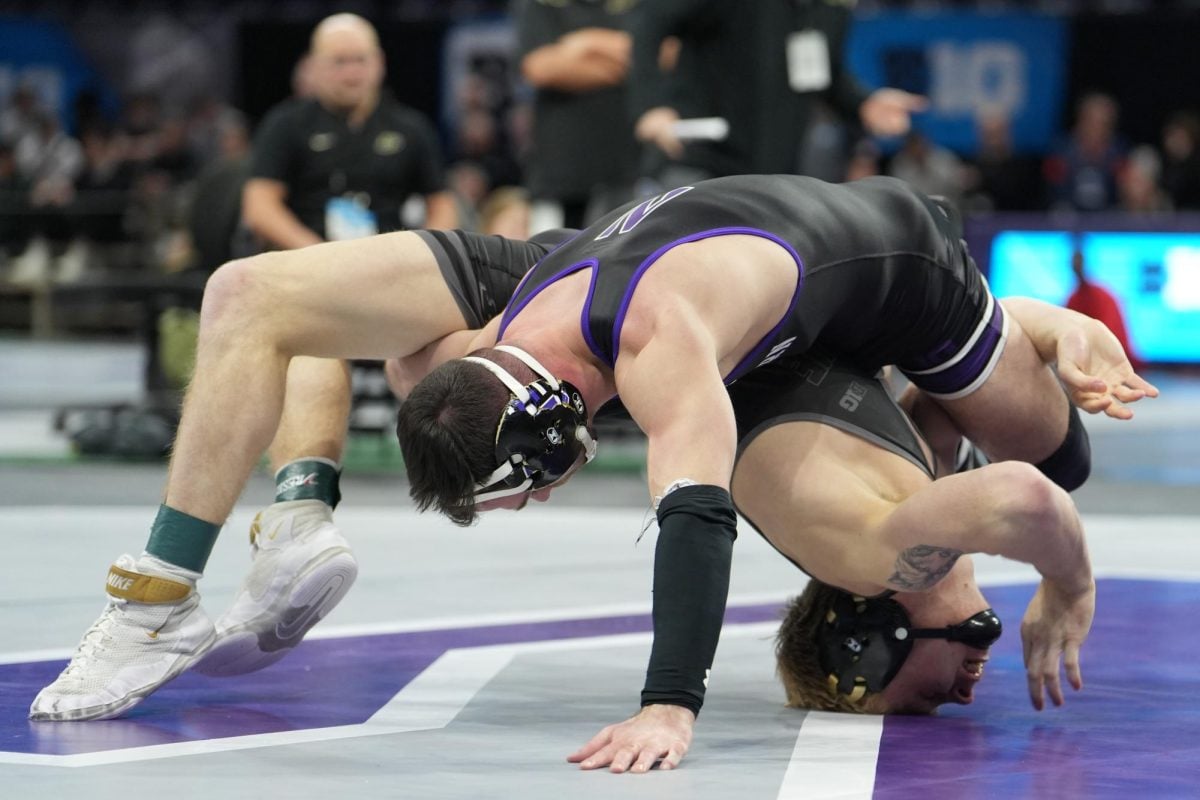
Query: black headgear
{"x": 863, "y": 642}
{"x": 542, "y": 432}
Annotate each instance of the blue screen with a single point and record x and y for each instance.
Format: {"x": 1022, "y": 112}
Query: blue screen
{"x": 1154, "y": 276}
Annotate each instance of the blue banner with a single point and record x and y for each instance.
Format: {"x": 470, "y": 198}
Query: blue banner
{"x": 44, "y": 57}
{"x": 968, "y": 65}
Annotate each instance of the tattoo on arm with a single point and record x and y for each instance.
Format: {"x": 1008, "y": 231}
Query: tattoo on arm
{"x": 920, "y": 567}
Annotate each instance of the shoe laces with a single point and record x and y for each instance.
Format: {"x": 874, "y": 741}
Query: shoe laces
{"x": 96, "y": 637}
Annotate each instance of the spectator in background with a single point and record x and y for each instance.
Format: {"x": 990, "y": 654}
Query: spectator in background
{"x": 304, "y": 83}
{"x": 583, "y": 159}
{"x": 1082, "y": 171}
{"x": 481, "y": 140}
{"x": 47, "y": 155}
{"x": 1138, "y": 183}
{"x": 50, "y": 161}
{"x": 931, "y": 169}
{"x": 865, "y": 160}
{"x": 506, "y": 212}
{"x": 20, "y": 116}
{"x": 760, "y": 66}
{"x": 1181, "y": 160}
{"x": 209, "y": 122}
{"x": 98, "y": 205}
{"x": 468, "y": 184}
{"x": 215, "y": 201}
{"x": 1001, "y": 179}
{"x": 1093, "y": 300}
{"x": 342, "y": 164}
{"x": 14, "y": 199}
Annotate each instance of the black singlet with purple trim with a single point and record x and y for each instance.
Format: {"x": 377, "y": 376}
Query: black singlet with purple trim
{"x": 882, "y": 274}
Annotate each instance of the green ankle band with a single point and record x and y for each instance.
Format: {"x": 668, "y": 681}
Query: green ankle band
{"x": 308, "y": 479}
{"x": 181, "y": 539}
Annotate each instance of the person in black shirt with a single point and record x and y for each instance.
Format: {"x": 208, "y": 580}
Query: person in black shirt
{"x": 761, "y": 67}
{"x": 343, "y": 163}
{"x": 583, "y": 158}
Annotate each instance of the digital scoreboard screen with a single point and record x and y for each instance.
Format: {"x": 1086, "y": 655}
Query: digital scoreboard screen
{"x": 1154, "y": 275}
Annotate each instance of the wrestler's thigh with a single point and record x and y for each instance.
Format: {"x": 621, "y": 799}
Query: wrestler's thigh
{"x": 378, "y": 297}
{"x": 1020, "y": 411}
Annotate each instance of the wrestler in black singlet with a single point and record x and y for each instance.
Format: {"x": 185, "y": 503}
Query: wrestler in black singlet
{"x": 882, "y": 273}
{"x": 818, "y": 387}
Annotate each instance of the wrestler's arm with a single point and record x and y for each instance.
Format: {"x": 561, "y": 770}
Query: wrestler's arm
{"x": 266, "y": 213}
{"x": 1090, "y": 361}
{"x": 670, "y": 383}
{"x": 1007, "y": 509}
{"x": 405, "y": 373}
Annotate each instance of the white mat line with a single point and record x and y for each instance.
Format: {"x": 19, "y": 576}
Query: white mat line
{"x": 580, "y": 613}
{"x": 834, "y": 757}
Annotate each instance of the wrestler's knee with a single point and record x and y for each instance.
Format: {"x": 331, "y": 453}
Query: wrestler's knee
{"x": 234, "y": 292}
{"x": 1071, "y": 464}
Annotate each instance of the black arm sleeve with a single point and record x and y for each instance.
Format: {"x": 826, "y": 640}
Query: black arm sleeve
{"x": 697, "y": 527}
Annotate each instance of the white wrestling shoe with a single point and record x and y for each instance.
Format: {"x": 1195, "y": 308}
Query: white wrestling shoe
{"x": 152, "y": 630}
{"x": 302, "y": 568}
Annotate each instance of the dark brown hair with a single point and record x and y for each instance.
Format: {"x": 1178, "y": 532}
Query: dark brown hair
{"x": 447, "y": 431}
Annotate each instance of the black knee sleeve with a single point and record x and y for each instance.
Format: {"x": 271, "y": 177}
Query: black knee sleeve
{"x": 1070, "y": 465}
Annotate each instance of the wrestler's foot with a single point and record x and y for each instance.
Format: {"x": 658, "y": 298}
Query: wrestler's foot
{"x": 302, "y": 568}
{"x": 152, "y": 630}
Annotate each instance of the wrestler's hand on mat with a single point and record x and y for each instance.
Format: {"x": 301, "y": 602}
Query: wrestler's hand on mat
{"x": 1055, "y": 626}
{"x": 1097, "y": 375}
{"x": 656, "y": 732}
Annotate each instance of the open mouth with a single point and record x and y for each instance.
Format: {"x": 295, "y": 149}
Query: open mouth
{"x": 974, "y": 667}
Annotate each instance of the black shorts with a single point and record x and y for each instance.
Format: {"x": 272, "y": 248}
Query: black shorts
{"x": 819, "y": 387}
{"x": 482, "y": 271}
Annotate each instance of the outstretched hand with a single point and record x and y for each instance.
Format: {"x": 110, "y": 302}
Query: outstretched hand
{"x": 1097, "y": 374}
{"x": 658, "y": 733}
{"x": 1055, "y": 626}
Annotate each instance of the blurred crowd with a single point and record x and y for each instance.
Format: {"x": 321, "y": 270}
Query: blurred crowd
{"x": 114, "y": 193}
{"x": 154, "y": 187}
{"x": 1092, "y": 167}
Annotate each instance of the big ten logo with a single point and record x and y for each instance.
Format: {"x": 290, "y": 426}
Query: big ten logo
{"x": 963, "y": 79}
{"x": 45, "y": 83}
{"x": 853, "y": 396}
{"x": 986, "y": 76}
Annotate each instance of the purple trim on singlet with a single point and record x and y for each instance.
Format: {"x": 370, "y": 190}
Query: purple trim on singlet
{"x": 512, "y": 311}
{"x": 657, "y": 254}
{"x": 961, "y": 374}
